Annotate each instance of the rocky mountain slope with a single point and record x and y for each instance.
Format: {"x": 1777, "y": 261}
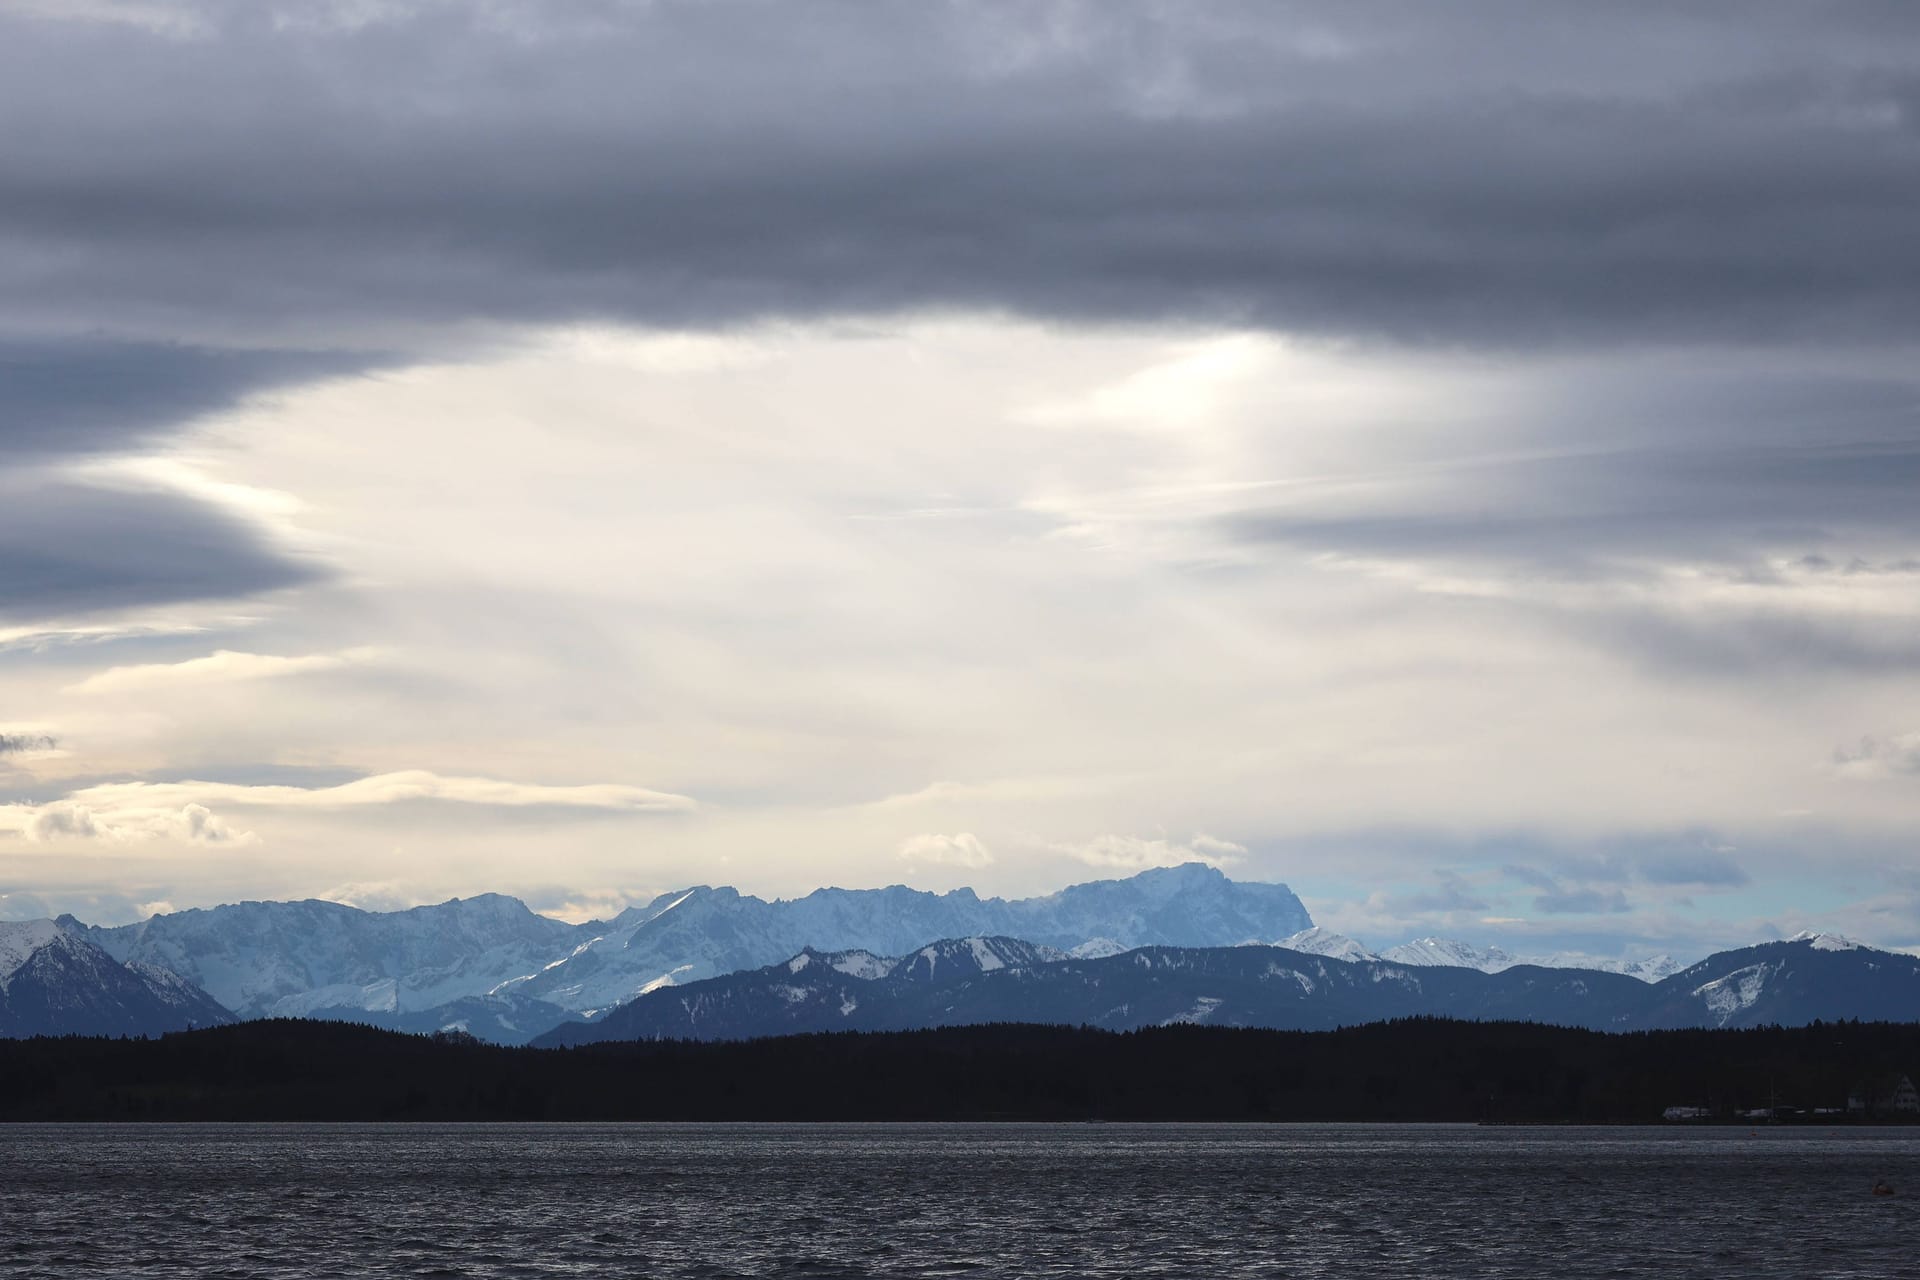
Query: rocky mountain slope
{"x": 295, "y": 959}
{"x": 53, "y": 982}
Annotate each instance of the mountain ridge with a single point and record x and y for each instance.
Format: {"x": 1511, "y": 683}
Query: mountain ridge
{"x": 492, "y": 964}
{"x": 1789, "y": 982}
{"x": 703, "y": 932}
{"x": 55, "y": 982}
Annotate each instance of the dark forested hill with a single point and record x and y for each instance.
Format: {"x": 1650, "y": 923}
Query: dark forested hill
{"x": 1416, "y": 1069}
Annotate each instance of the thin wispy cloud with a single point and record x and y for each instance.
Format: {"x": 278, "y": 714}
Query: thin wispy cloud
{"x": 223, "y": 666}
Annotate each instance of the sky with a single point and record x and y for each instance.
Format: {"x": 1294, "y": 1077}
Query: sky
{"x": 1462, "y": 461}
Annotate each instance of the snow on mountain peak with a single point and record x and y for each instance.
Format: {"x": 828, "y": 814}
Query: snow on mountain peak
{"x": 722, "y": 930}
{"x": 1449, "y": 953}
{"x": 1464, "y": 955}
{"x": 1319, "y": 941}
{"x": 1829, "y": 941}
{"x": 19, "y": 940}
{"x": 860, "y": 964}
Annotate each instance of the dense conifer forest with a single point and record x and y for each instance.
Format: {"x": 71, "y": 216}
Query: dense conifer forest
{"x": 1408, "y": 1070}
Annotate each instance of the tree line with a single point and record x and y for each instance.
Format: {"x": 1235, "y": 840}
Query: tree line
{"x": 1416, "y": 1069}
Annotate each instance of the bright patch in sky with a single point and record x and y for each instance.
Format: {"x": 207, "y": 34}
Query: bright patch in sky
{"x": 1468, "y": 478}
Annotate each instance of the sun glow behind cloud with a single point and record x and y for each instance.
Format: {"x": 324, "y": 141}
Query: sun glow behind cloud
{"x": 989, "y": 448}
{"x": 1107, "y": 587}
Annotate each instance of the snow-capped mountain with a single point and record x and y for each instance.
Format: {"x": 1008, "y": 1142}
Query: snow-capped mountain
{"x": 1464, "y": 955}
{"x": 992, "y": 980}
{"x": 941, "y": 961}
{"x": 1325, "y": 942}
{"x": 1450, "y": 953}
{"x": 1649, "y": 969}
{"x": 703, "y": 932}
{"x": 1790, "y": 983}
{"x": 405, "y": 969}
{"x": 1808, "y": 976}
{"x": 295, "y": 959}
{"x": 53, "y": 982}
{"x": 1829, "y": 941}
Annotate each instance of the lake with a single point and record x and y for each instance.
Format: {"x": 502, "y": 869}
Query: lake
{"x": 955, "y": 1200}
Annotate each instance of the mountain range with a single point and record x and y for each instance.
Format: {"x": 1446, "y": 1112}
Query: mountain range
{"x": 989, "y": 980}
{"x": 1456, "y": 954}
{"x": 702, "y": 932}
{"x": 490, "y": 966}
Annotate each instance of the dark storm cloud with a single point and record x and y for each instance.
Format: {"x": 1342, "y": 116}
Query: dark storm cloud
{"x": 85, "y": 395}
{"x": 70, "y": 549}
{"x": 1489, "y": 175}
{"x": 67, "y": 548}
{"x": 1489, "y": 172}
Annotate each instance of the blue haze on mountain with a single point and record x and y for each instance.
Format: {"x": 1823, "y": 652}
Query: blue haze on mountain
{"x": 972, "y": 981}
{"x": 1166, "y": 945}
{"x": 53, "y": 982}
{"x": 702, "y": 932}
{"x": 491, "y": 966}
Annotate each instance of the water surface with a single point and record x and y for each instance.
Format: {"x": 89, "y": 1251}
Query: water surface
{"x": 954, "y": 1200}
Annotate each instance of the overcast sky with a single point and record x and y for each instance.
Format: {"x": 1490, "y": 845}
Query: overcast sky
{"x": 1460, "y": 460}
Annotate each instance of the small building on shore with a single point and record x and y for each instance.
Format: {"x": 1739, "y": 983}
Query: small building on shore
{"x": 1893, "y": 1095}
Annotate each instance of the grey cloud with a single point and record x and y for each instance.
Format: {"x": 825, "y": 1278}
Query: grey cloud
{"x": 1697, "y": 868}
{"x": 249, "y": 774}
{"x": 1582, "y": 902}
{"x": 1451, "y": 894}
{"x": 1679, "y": 858}
{"x": 1608, "y": 868}
{"x": 71, "y": 549}
{"x": 1497, "y": 174}
{"x": 19, "y": 905}
{"x": 1531, "y": 877}
{"x": 1575, "y": 495}
{"x": 88, "y": 904}
{"x": 1899, "y": 755}
{"x": 1739, "y": 644}
{"x": 1492, "y": 172}
{"x": 1715, "y": 465}
{"x": 1576, "y": 885}
{"x": 76, "y": 395}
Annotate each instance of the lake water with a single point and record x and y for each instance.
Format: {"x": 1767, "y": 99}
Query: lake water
{"x": 954, "y": 1200}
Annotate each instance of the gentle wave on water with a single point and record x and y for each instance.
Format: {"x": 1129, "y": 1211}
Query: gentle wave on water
{"x": 954, "y": 1200}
